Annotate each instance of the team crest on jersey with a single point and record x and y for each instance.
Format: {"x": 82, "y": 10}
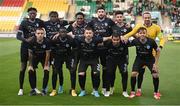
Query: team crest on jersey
{"x": 125, "y": 30}
{"x": 37, "y": 24}
{"x": 67, "y": 45}
{"x": 58, "y": 26}
{"x": 44, "y": 46}
{"x": 106, "y": 24}
{"x": 148, "y": 47}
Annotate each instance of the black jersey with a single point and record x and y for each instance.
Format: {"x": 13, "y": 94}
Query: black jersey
{"x": 53, "y": 28}
{"x": 102, "y": 27}
{"x": 78, "y": 30}
{"x": 39, "y": 49}
{"x": 88, "y": 51}
{"x": 63, "y": 46}
{"x": 119, "y": 51}
{"x": 27, "y": 29}
{"x": 122, "y": 30}
{"x": 144, "y": 51}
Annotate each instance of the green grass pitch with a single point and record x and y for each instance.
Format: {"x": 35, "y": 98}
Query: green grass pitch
{"x": 169, "y": 66}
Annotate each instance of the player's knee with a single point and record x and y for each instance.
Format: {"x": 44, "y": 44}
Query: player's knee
{"x": 134, "y": 74}
{"x": 30, "y": 71}
{"x": 81, "y": 73}
{"x": 155, "y": 75}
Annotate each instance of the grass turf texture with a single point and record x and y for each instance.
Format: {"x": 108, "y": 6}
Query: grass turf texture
{"x": 9, "y": 85}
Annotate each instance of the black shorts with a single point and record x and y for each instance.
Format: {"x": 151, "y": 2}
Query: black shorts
{"x": 139, "y": 63}
{"x": 23, "y": 54}
{"x": 113, "y": 63}
{"x": 59, "y": 61}
{"x": 94, "y": 63}
{"x": 38, "y": 59}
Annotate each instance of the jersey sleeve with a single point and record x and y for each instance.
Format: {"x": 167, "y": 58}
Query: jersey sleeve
{"x": 41, "y": 23}
{"x": 20, "y": 32}
{"x": 154, "y": 45}
{"x": 70, "y": 28}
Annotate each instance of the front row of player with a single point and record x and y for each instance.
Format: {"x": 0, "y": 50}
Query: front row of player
{"x": 39, "y": 51}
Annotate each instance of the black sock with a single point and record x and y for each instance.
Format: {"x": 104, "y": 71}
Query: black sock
{"x": 104, "y": 78}
{"x": 133, "y": 83}
{"x": 156, "y": 84}
{"x": 54, "y": 79}
{"x": 45, "y": 79}
{"x": 61, "y": 79}
{"x": 22, "y": 74}
{"x": 73, "y": 79}
{"x": 21, "y": 78}
{"x": 82, "y": 81}
{"x": 140, "y": 77}
{"x": 108, "y": 82}
{"x": 112, "y": 80}
{"x": 124, "y": 76}
{"x": 32, "y": 79}
{"x": 96, "y": 80}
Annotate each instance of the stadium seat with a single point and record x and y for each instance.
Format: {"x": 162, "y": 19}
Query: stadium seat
{"x": 10, "y": 13}
{"x": 45, "y": 6}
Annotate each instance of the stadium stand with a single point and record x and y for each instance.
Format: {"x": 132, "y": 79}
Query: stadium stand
{"x": 89, "y": 7}
{"x": 10, "y": 13}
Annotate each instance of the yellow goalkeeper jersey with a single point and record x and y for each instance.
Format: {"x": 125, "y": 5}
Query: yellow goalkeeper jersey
{"x": 153, "y": 31}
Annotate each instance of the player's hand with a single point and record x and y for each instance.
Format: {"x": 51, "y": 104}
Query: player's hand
{"x": 159, "y": 48}
{"x": 30, "y": 68}
{"x": 123, "y": 39}
{"x": 155, "y": 68}
{"x": 56, "y": 36}
{"x": 74, "y": 24}
{"x": 128, "y": 25}
{"x": 100, "y": 44}
{"x": 46, "y": 68}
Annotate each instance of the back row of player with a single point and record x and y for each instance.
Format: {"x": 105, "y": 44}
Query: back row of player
{"x": 101, "y": 26}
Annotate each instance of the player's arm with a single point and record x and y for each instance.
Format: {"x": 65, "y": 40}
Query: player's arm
{"x": 20, "y": 36}
{"x": 107, "y": 38}
{"x": 133, "y": 32}
{"x": 46, "y": 64}
{"x": 155, "y": 65}
{"x": 30, "y": 57}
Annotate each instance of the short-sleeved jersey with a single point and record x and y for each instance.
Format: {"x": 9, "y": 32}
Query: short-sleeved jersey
{"x": 152, "y": 32}
{"x": 88, "y": 51}
{"x": 78, "y": 30}
{"x": 53, "y": 28}
{"x": 102, "y": 27}
{"x": 39, "y": 49}
{"x": 144, "y": 51}
{"x": 119, "y": 51}
{"x": 28, "y": 28}
{"x": 62, "y": 46}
